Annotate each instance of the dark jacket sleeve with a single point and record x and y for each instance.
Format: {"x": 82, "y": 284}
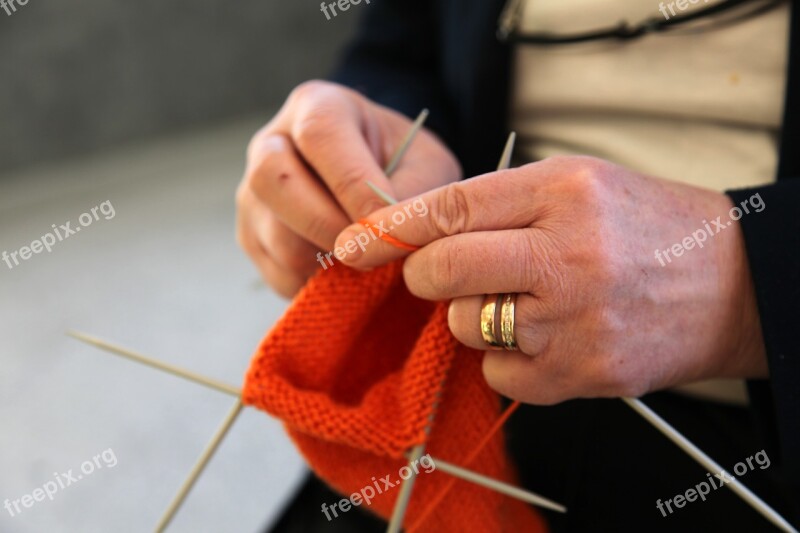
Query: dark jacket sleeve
{"x": 395, "y": 60}
{"x": 772, "y": 238}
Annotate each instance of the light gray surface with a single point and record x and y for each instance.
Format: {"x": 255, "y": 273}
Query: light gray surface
{"x": 82, "y": 75}
{"x": 164, "y": 277}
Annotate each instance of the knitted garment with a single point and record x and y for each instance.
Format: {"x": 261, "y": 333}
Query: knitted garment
{"x": 356, "y": 369}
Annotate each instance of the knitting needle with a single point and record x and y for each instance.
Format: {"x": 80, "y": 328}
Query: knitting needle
{"x": 394, "y": 162}
{"x": 505, "y": 163}
{"x": 398, "y": 155}
{"x": 658, "y": 422}
{"x": 498, "y": 486}
{"x": 709, "y": 464}
{"x": 399, "y": 511}
{"x": 201, "y": 464}
{"x": 164, "y": 367}
{"x": 400, "y": 506}
{"x": 455, "y": 471}
{"x": 383, "y": 196}
{"x": 508, "y": 152}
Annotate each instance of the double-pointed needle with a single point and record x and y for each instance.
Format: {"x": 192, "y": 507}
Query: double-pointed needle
{"x": 394, "y": 161}
{"x": 233, "y": 391}
{"x": 401, "y": 505}
{"x": 216, "y": 440}
{"x": 659, "y": 423}
{"x": 709, "y": 464}
{"x": 200, "y": 466}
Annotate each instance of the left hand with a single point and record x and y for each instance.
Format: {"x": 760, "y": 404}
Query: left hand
{"x": 597, "y": 313}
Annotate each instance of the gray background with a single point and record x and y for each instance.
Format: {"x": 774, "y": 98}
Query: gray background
{"x": 148, "y": 105}
{"x": 85, "y": 74}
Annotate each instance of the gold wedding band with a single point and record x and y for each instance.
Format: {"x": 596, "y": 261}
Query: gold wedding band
{"x": 497, "y": 320}
{"x": 488, "y": 322}
{"x": 507, "y": 321}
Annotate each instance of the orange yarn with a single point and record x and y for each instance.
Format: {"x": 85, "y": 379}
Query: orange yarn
{"x": 356, "y": 368}
{"x": 397, "y": 243}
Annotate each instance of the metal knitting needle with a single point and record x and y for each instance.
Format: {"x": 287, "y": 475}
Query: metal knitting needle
{"x": 498, "y": 486}
{"x": 383, "y": 196}
{"x": 399, "y": 511}
{"x": 201, "y": 464}
{"x": 400, "y": 506}
{"x": 191, "y": 376}
{"x": 505, "y": 163}
{"x": 455, "y": 471}
{"x": 665, "y": 428}
{"x": 508, "y": 152}
{"x": 164, "y": 367}
{"x": 491, "y": 483}
{"x": 709, "y": 464}
{"x": 394, "y": 162}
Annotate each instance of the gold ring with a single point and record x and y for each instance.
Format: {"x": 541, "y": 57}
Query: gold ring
{"x": 488, "y": 319}
{"x": 507, "y": 321}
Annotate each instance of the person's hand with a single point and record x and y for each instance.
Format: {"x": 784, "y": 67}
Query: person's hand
{"x": 597, "y": 313}
{"x": 307, "y": 171}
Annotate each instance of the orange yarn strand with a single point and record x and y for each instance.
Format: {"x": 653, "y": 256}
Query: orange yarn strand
{"x": 467, "y": 461}
{"x": 397, "y": 243}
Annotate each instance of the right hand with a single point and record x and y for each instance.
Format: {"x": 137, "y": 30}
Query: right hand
{"x": 306, "y": 177}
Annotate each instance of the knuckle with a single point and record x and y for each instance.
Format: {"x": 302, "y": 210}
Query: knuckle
{"x": 451, "y": 212}
{"x": 324, "y": 106}
{"x": 584, "y": 177}
{"x": 445, "y": 275}
{"x": 314, "y": 131}
{"x": 266, "y": 163}
{"x": 539, "y": 267}
{"x": 309, "y": 90}
{"x": 592, "y": 173}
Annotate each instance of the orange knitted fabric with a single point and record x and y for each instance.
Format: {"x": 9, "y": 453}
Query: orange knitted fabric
{"x": 356, "y": 369}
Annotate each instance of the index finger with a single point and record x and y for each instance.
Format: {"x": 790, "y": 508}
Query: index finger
{"x": 486, "y": 203}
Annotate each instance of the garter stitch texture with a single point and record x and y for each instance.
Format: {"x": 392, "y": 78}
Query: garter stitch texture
{"x": 355, "y": 369}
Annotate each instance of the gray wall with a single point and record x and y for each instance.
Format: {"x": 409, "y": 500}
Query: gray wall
{"x": 82, "y": 75}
